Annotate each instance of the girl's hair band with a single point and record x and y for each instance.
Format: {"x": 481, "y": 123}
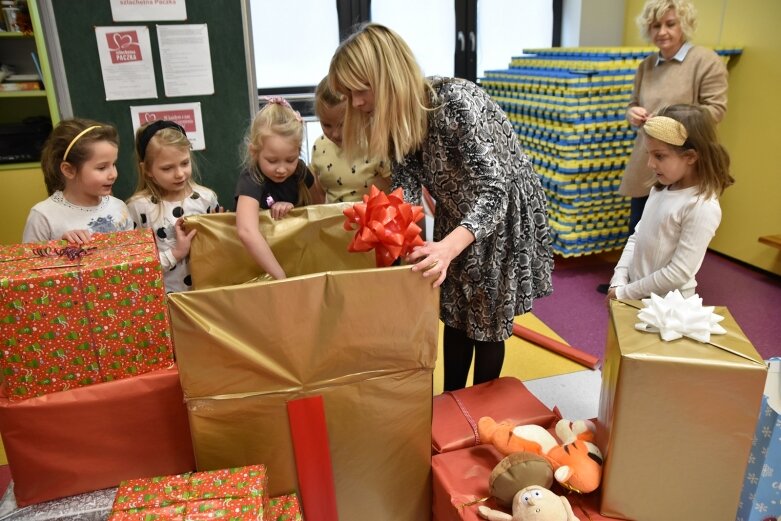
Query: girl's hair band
{"x": 148, "y": 133}
{"x": 78, "y": 136}
{"x": 279, "y": 100}
{"x": 666, "y": 129}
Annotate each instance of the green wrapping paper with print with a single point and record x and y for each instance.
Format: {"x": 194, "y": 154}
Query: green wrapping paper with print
{"x": 365, "y": 340}
{"x": 75, "y": 316}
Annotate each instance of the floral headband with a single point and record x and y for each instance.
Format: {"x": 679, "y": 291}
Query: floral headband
{"x": 279, "y": 100}
{"x": 666, "y": 129}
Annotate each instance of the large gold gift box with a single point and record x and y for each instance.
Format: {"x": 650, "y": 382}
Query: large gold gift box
{"x": 676, "y": 420}
{"x": 365, "y": 340}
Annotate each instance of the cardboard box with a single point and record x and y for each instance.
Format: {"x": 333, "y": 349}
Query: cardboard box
{"x": 676, "y": 420}
{"x": 72, "y": 317}
{"x": 93, "y": 437}
{"x": 364, "y": 340}
{"x": 237, "y": 494}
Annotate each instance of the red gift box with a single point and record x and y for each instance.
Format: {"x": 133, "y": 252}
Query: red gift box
{"x": 455, "y": 414}
{"x": 284, "y": 508}
{"x": 236, "y": 494}
{"x": 93, "y": 437}
{"x": 74, "y": 316}
{"x": 461, "y": 485}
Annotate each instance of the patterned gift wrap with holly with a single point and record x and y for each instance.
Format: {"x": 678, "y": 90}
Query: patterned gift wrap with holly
{"x": 284, "y": 508}
{"x": 71, "y": 316}
{"x": 237, "y": 494}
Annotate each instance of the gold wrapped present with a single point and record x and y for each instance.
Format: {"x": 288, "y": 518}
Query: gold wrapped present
{"x": 676, "y": 420}
{"x": 365, "y": 340}
{"x": 310, "y": 239}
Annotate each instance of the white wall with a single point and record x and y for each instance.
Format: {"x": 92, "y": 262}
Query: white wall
{"x": 590, "y": 23}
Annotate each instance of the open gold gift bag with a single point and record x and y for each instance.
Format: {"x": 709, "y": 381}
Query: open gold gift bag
{"x": 365, "y": 340}
{"x": 676, "y": 420}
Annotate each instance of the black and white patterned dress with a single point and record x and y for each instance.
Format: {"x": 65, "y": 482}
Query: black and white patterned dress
{"x": 473, "y": 165}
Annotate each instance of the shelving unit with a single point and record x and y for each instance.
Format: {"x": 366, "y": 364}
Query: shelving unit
{"x": 23, "y": 181}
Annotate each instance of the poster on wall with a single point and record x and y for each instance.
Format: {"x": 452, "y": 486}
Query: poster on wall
{"x": 148, "y": 10}
{"x": 186, "y": 61}
{"x": 188, "y": 115}
{"x": 126, "y": 62}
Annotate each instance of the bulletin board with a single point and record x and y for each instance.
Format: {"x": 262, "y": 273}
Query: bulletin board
{"x": 226, "y": 113}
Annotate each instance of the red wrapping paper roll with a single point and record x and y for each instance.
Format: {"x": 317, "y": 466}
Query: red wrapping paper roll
{"x": 576, "y": 355}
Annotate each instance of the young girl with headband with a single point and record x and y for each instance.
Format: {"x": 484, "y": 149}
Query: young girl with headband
{"x": 165, "y": 193}
{"x": 79, "y": 169}
{"x": 274, "y": 178}
{"x": 682, "y": 214}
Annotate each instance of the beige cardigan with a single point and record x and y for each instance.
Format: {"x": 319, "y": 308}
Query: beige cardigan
{"x": 700, "y": 79}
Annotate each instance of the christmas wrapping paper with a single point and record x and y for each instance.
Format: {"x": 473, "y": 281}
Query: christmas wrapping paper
{"x": 365, "y": 340}
{"x": 284, "y": 508}
{"x": 760, "y": 499}
{"x": 93, "y": 437}
{"x": 676, "y": 420}
{"x": 236, "y": 494}
{"x": 455, "y": 413}
{"x": 71, "y": 317}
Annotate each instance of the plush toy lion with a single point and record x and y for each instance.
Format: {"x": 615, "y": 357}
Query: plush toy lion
{"x": 533, "y": 504}
{"x": 576, "y": 462}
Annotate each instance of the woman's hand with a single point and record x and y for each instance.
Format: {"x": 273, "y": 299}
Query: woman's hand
{"x": 77, "y": 236}
{"x": 434, "y": 258}
{"x": 280, "y": 209}
{"x": 637, "y": 116}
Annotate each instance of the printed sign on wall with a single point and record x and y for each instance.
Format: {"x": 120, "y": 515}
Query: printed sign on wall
{"x": 148, "y": 10}
{"x": 188, "y": 115}
{"x": 126, "y": 62}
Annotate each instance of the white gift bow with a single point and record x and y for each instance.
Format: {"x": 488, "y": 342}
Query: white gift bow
{"x": 674, "y": 317}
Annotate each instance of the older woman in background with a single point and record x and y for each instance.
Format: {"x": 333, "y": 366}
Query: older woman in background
{"x": 679, "y": 73}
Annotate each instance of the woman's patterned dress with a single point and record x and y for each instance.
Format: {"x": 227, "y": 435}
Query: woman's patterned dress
{"x": 473, "y": 165}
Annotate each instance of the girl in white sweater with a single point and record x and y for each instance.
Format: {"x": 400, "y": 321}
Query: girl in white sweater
{"x": 682, "y": 214}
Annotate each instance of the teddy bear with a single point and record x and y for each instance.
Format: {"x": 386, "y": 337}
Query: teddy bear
{"x": 533, "y": 503}
{"x": 576, "y": 461}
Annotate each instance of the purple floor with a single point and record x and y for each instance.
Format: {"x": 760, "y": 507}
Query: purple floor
{"x": 578, "y": 313}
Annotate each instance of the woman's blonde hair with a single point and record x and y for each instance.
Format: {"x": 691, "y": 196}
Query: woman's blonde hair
{"x": 654, "y": 10}
{"x": 376, "y": 58}
{"x": 276, "y": 118}
{"x": 76, "y": 137}
{"x": 713, "y": 161}
{"x": 325, "y": 98}
{"x": 165, "y": 137}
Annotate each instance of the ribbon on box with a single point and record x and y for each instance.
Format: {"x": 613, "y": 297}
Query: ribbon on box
{"x": 386, "y": 224}
{"x": 674, "y": 317}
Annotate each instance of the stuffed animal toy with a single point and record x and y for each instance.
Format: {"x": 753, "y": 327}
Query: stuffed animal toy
{"x": 533, "y": 504}
{"x": 516, "y": 472}
{"x": 576, "y": 462}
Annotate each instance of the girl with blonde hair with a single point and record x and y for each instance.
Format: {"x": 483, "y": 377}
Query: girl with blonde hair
{"x": 491, "y": 252}
{"x": 274, "y": 177}
{"x": 166, "y": 193}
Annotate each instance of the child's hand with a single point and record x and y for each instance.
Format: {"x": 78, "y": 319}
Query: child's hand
{"x": 183, "y": 240}
{"x": 216, "y": 209}
{"x": 611, "y": 295}
{"x": 77, "y": 236}
{"x": 280, "y": 209}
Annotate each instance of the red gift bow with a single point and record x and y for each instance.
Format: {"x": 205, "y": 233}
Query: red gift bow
{"x": 386, "y": 224}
